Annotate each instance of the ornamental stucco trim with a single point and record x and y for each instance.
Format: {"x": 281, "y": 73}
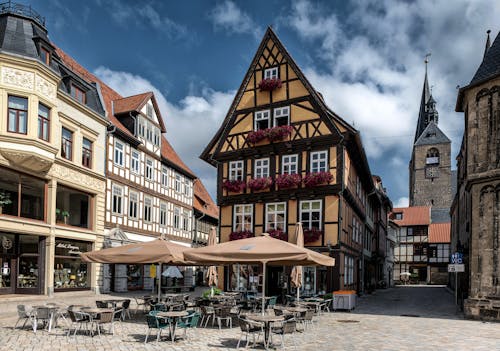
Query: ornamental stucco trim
{"x": 45, "y": 88}
{"x": 18, "y": 78}
{"x": 78, "y": 178}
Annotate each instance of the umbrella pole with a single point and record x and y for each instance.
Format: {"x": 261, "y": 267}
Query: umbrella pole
{"x": 159, "y": 282}
{"x": 264, "y": 287}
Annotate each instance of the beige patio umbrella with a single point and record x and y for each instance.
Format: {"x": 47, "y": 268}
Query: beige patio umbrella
{"x": 212, "y": 270}
{"x": 261, "y": 249}
{"x": 296, "y": 275}
{"x": 159, "y": 251}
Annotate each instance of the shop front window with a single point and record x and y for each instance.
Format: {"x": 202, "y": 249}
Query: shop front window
{"x": 134, "y": 277}
{"x": 73, "y": 207}
{"x": 7, "y": 250}
{"x": 309, "y": 281}
{"x": 69, "y": 270}
{"x": 244, "y": 277}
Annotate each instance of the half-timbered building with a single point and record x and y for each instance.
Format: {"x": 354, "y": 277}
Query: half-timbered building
{"x": 282, "y": 157}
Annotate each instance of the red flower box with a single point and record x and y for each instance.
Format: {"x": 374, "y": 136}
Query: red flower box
{"x": 269, "y": 84}
{"x": 256, "y": 136}
{"x": 278, "y": 234}
{"x": 286, "y": 181}
{"x": 312, "y": 235}
{"x": 317, "y": 178}
{"x": 260, "y": 183}
{"x": 240, "y": 235}
{"x": 234, "y": 186}
{"x": 279, "y": 133}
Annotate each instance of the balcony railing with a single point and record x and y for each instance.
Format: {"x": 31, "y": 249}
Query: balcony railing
{"x": 22, "y": 10}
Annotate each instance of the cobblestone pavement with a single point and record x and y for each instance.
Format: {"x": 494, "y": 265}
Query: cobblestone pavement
{"x": 376, "y": 324}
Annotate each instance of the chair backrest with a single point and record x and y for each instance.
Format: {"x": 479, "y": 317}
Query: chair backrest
{"x": 43, "y": 312}
{"x": 72, "y": 315}
{"x": 106, "y": 317}
{"x": 101, "y": 304}
{"x": 117, "y": 314}
{"x": 152, "y": 321}
{"x": 278, "y": 312}
{"x": 289, "y": 326}
{"x": 126, "y": 304}
{"x": 21, "y": 311}
{"x": 244, "y": 325}
{"x": 272, "y": 301}
{"x": 309, "y": 315}
{"x": 160, "y": 307}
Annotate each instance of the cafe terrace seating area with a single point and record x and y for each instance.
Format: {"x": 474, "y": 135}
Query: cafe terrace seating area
{"x": 230, "y": 319}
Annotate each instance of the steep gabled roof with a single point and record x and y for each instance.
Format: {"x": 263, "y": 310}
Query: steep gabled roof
{"x": 440, "y": 233}
{"x": 203, "y": 201}
{"x": 135, "y": 103}
{"x": 226, "y": 124}
{"x": 169, "y": 155}
{"x": 415, "y": 215}
{"x": 432, "y": 135}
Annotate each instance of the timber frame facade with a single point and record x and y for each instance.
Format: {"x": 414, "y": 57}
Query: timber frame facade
{"x": 331, "y": 184}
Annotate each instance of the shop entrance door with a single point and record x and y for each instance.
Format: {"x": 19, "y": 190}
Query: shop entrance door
{"x": 7, "y": 275}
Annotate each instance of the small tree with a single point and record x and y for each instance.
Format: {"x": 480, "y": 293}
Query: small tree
{"x": 4, "y": 199}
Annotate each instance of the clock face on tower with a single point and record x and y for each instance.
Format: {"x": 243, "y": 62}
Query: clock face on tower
{"x": 432, "y": 172}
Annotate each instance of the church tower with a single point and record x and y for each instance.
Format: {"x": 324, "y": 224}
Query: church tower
{"x": 430, "y": 164}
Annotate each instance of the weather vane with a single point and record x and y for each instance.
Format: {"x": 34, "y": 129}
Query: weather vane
{"x": 427, "y": 61}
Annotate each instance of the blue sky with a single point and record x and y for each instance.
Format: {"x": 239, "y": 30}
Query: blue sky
{"x": 366, "y": 57}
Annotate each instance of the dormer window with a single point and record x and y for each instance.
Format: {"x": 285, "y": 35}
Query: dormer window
{"x": 78, "y": 94}
{"x": 282, "y": 116}
{"x": 45, "y": 55}
{"x": 271, "y": 73}
{"x": 261, "y": 119}
{"x": 398, "y": 216}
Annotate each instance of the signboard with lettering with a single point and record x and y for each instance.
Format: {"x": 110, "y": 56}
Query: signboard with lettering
{"x": 456, "y": 268}
{"x": 457, "y": 258}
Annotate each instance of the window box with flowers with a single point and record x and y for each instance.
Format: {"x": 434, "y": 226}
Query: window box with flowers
{"x": 258, "y": 184}
{"x": 317, "y": 178}
{"x": 287, "y": 181}
{"x": 257, "y": 136}
{"x": 278, "y": 234}
{"x": 312, "y": 235}
{"x": 278, "y": 133}
{"x": 234, "y": 186}
{"x": 240, "y": 235}
{"x": 269, "y": 84}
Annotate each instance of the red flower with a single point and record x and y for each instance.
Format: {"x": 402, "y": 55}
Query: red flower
{"x": 285, "y": 181}
{"x": 240, "y": 235}
{"x": 317, "y": 178}
{"x": 312, "y": 235}
{"x": 279, "y": 133}
{"x": 269, "y": 84}
{"x": 278, "y": 234}
{"x": 260, "y": 183}
{"x": 256, "y": 136}
{"x": 234, "y": 186}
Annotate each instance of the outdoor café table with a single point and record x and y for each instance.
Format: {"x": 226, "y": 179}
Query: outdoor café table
{"x": 93, "y": 312}
{"x": 52, "y": 312}
{"x": 293, "y": 309}
{"x": 113, "y": 302}
{"x": 308, "y": 303}
{"x": 173, "y": 316}
{"x": 267, "y": 320}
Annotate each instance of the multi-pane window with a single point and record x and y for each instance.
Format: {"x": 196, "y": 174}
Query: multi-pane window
{"x": 262, "y": 119}
{"x": 135, "y": 162}
{"x": 149, "y": 132}
{"x": 149, "y": 110}
{"x": 177, "y": 183}
{"x": 66, "y": 143}
{"x": 18, "y": 115}
{"x": 157, "y": 137}
{"x": 164, "y": 176}
{"x": 45, "y": 55}
{"x": 289, "y": 164}
{"x": 43, "y": 122}
{"x": 177, "y": 218}
{"x": 243, "y": 218}
{"x": 117, "y": 199}
{"x": 86, "y": 153}
{"x": 187, "y": 187}
{"x": 141, "y": 127}
{"x": 133, "y": 203}
{"x": 148, "y": 209}
{"x": 282, "y": 116}
{"x": 271, "y": 73}
{"x": 261, "y": 168}
{"x": 163, "y": 214}
{"x": 78, "y": 93}
{"x": 118, "y": 158}
{"x": 275, "y": 216}
{"x": 236, "y": 170}
{"x": 185, "y": 220}
{"x": 149, "y": 169}
{"x": 310, "y": 214}
{"x": 348, "y": 270}
{"x": 319, "y": 161}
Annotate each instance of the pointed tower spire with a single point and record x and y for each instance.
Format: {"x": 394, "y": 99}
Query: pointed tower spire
{"x": 488, "y": 43}
{"x": 426, "y": 94}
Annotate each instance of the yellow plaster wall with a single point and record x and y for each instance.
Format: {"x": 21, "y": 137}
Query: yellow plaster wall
{"x": 244, "y": 126}
{"x": 291, "y": 73}
{"x": 299, "y": 114}
{"x": 297, "y": 89}
{"x": 263, "y": 97}
{"x": 331, "y": 233}
{"x": 246, "y": 100}
{"x": 224, "y": 234}
{"x": 226, "y": 215}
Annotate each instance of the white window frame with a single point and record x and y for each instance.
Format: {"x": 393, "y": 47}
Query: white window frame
{"x": 177, "y": 183}
{"x": 236, "y": 170}
{"x": 272, "y": 215}
{"x": 133, "y": 200}
{"x": 322, "y": 156}
{"x": 163, "y": 214}
{"x": 187, "y": 186}
{"x": 261, "y": 168}
{"x": 310, "y": 210}
{"x": 281, "y": 112}
{"x": 262, "y": 116}
{"x": 164, "y": 176}
{"x": 150, "y": 169}
{"x": 148, "y": 209}
{"x": 135, "y": 162}
{"x": 185, "y": 220}
{"x": 240, "y": 211}
{"x": 290, "y": 162}
{"x": 141, "y": 127}
{"x": 117, "y": 199}
{"x": 118, "y": 155}
{"x": 149, "y": 108}
{"x": 270, "y": 73}
{"x": 177, "y": 218}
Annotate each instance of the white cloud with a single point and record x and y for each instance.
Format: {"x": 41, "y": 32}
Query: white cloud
{"x": 190, "y": 124}
{"x": 228, "y": 16}
{"x": 401, "y": 202}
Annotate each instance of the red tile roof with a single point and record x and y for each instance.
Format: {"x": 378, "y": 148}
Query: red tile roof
{"x": 440, "y": 233}
{"x": 168, "y": 152}
{"x": 203, "y": 202}
{"x": 416, "y": 215}
{"x": 131, "y": 103}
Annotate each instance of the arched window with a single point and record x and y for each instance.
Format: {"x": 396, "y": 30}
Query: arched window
{"x": 432, "y": 157}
